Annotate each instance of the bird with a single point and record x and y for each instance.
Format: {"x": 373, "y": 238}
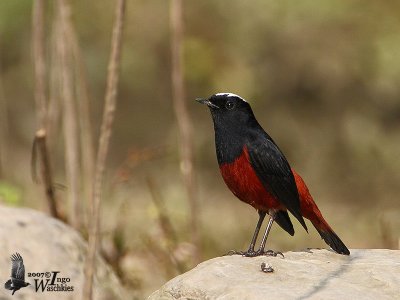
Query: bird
{"x": 17, "y": 280}
{"x": 257, "y": 172}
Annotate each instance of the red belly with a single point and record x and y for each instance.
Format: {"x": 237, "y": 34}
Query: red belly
{"x": 241, "y": 179}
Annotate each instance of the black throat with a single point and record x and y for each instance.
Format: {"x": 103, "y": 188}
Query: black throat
{"x": 228, "y": 145}
{"x": 231, "y": 137}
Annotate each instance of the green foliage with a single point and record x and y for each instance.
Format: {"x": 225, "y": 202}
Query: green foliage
{"x": 9, "y": 194}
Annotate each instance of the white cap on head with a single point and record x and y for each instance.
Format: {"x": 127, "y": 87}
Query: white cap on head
{"x": 230, "y": 95}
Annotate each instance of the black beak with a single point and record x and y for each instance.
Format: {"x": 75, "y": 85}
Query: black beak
{"x": 206, "y": 102}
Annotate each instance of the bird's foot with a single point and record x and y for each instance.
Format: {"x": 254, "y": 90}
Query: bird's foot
{"x": 269, "y": 253}
{"x": 252, "y": 253}
{"x": 235, "y": 252}
{"x": 248, "y": 253}
{"x": 262, "y": 253}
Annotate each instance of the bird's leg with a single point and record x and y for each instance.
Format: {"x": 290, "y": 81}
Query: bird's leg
{"x": 261, "y": 250}
{"x": 266, "y": 233}
{"x": 251, "y": 251}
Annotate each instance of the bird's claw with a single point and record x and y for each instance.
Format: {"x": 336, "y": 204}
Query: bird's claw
{"x": 272, "y": 253}
{"x": 234, "y": 252}
{"x": 263, "y": 253}
{"x": 252, "y": 253}
{"x": 248, "y": 253}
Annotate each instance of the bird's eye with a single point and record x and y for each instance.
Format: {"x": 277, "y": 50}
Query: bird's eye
{"x": 230, "y": 105}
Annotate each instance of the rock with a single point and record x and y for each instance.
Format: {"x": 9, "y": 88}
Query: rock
{"x": 47, "y": 245}
{"x": 316, "y": 274}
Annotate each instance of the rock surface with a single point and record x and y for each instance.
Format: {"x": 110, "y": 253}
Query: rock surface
{"x": 47, "y": 245}
{"x": 317, "y": 274}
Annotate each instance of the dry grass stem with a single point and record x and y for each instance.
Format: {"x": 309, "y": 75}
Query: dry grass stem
{"x": 55, "y": 82}
{"x": 3, "y": 126}
{"x": 183, "y": 120}
{"x": 40, "y": 144}
{"x": 105, "y": 134}
{"x": 85, "y": 124}
{"x": 46, "y": 172}
{"x": 69, "y": 118}
{"x": 39, "y": 62}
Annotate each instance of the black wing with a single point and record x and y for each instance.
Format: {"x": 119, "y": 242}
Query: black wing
{"x": 275, "y": 173}
{"x": 18, "y": 268}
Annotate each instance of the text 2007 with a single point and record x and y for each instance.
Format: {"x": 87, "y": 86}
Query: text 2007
{"x": 40, "y": 275}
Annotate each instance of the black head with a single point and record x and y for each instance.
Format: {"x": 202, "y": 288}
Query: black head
{"x": 233, "y": 121}
{"x": 228, "y": 109}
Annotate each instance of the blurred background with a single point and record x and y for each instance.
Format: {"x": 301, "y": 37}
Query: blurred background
{"x": 322, "y": 77}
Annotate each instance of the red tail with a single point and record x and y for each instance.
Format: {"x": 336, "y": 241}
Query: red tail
{"x": 310, "y": 211}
